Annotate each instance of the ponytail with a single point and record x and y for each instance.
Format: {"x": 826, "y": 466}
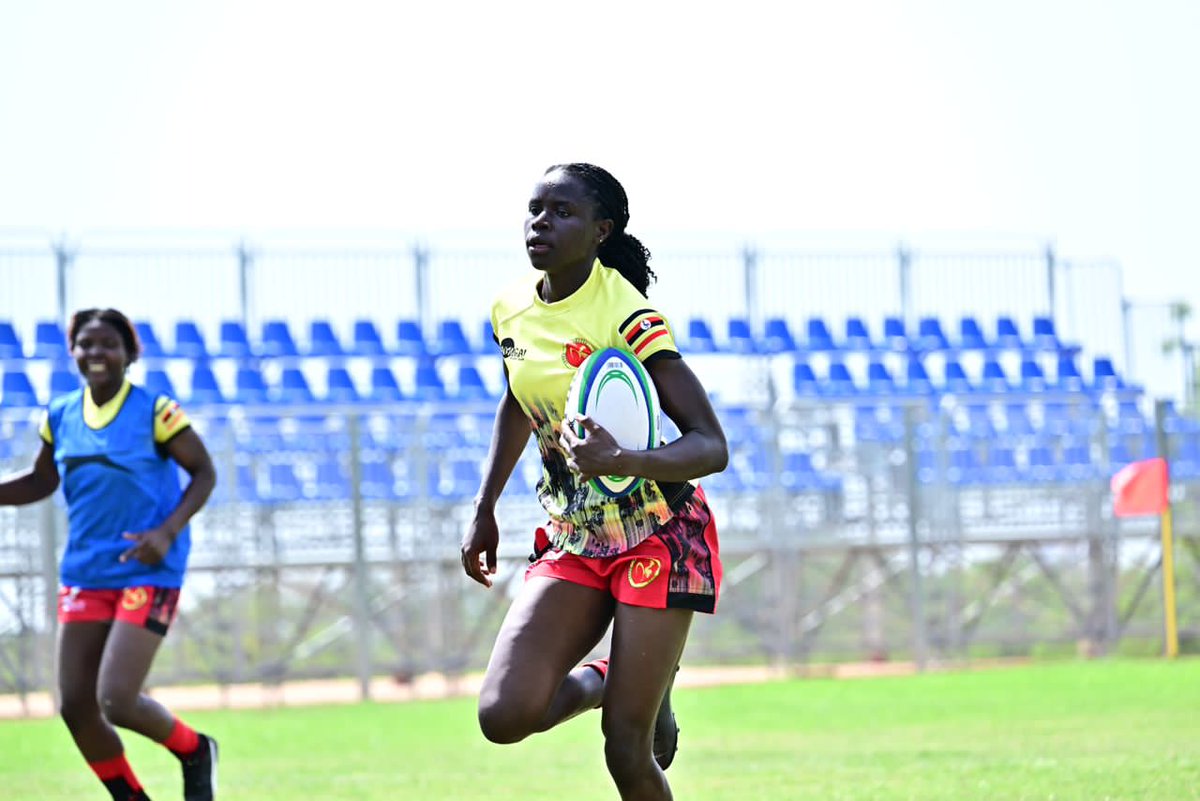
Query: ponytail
{"x": 620, "y": 251}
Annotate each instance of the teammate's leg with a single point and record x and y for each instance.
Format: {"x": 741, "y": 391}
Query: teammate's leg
{"x": 80, "y": 651}
{"x": 530, "y": 685}
{"x": 646, "y": 646}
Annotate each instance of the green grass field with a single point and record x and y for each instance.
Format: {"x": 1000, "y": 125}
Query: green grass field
{"x": 1079, "y": 730}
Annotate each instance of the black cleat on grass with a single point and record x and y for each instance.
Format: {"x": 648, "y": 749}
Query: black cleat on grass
{"x": 666, "y": 730}
{"x": 200, "y": 771}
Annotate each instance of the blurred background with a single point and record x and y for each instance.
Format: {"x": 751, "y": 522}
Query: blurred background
{"x": 936, "y": 263}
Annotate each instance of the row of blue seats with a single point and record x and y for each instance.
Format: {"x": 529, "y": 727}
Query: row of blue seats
{"x": 838, "y": 381}
{"x": 250, "y": 386}
{"x": 277, "y": 340}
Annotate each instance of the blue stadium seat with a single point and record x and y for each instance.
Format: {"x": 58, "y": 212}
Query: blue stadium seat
{"x": 10, "y": 342}
{"x": 332, "y": 483}
{"x": 955, "y": 379}
{"x": 62, "y": 381}
{"x": 378, "y": 482}
{"x": 249, "y": 386}
{"x": 930, "y": 335}
{"x": 1104, "y": 376}
{"x": 740, "y": 339}
{"x": 799, "y": 475}
{"x": 1068, "y": 377}
{"x": 456, "y": 480}
{"x": 470, "y": 383}
{"x": 777, "y": 336}
{"x": 964, "y": 467}
{"x": 384, "y": 386}
{"x": 49, "y": 341}
{"x": 700, "y": 337}
{"x": 282, "y": 484}
{"x": 277, "y": 340}
{"x": 895, "y": 336}
{"x": 917, "y": 379}
{"x": 367, "y": 341}
{"x": 452, "y": 339}
{"x": 975, "y": 419}
{"x": 205, "y": 389}
{"x": 341, "y": 387}
{"x": 993, "y": 378}
{"x": 838, "y": 381}
{"x": 1032, "y": 378}
{"x": 1001, "y": 466}
{"x": 429, "y": 384}
{"x": 858, "y": 336}
{"x": 189, "y": 341}
{"x": 322, "y": 340}
{"x": 879, "y": 380}
{"x": 817, "y": 336}
{"x": 151, "y": 345}
{"x": 1041, "y": 466}
{"x": 879, "y": 423}
{"x": 1044, "y": 335}
{"x": 294, "y": 388}
{"x": 16, "y": 390}
{"x": 1016, "y": 419}
{"x": 1008, "y": 336}
{"x": 487, "y": 339}
{"x": 234, "y": 342}
{"x": 157, "y": 382}
{"x": 410, "y": 341}
{"x": 970, "y": 335}
{"x": 1076, "y": 464}
{"x": 804, "y": 380}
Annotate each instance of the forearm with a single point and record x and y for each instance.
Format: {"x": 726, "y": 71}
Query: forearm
{"x": 25, "y": 488}
{"x": 693, "y": 455}
{"x": 509, "y": 434}
{"x": 194, "y": 497}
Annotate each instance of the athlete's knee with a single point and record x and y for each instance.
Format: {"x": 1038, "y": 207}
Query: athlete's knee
{"x": 78, "y": 708}
{"x": 628, "y": 752}
{"x": 118, "y": 704}
{"x": 504, "y": 722}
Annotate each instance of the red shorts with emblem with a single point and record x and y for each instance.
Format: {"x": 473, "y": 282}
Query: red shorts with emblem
{"x": 677, "y": 567}
{"x": 151, "y": 608}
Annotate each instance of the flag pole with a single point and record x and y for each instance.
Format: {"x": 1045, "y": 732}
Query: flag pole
{"x": 1170, "y": 629}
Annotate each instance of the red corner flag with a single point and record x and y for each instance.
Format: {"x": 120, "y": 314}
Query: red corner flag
{"x": 1140, "y": 488}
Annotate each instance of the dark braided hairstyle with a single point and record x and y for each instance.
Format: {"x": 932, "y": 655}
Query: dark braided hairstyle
{"x": 622, "y": 252}
{"x": 128, "y": 334}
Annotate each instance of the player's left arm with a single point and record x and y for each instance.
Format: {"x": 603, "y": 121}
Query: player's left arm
{"x": 189, "y": 452}
{"x": 700, "y": 450}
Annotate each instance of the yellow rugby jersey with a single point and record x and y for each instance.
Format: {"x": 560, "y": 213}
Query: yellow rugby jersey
{"x": 543, "y": 344}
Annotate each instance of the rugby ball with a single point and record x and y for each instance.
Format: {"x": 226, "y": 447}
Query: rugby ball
{"x": 614, "y": 389}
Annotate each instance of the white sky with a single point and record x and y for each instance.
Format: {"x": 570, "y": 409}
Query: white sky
{"x": 1075, "y": 122}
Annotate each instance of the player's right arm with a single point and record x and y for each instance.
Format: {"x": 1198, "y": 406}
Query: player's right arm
{"x": 35, "y": 484}
{"x": 510, "y": 433}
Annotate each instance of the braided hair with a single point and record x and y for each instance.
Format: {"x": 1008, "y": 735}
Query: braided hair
{"x": 621, "y": 251}
{"x": 114, "y": 318}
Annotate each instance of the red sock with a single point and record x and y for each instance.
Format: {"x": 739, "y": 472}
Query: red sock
{"x": 599, "y": 665}
{"x": 182, "y": 740}
{"x": 118, "y": 777}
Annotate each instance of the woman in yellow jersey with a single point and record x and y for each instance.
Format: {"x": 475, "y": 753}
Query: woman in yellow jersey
{"x": 643, "y": 563}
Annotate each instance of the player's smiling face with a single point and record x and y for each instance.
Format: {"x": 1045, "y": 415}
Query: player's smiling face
{"x": 100, "y": 353}
{"x": 561, "y": 231}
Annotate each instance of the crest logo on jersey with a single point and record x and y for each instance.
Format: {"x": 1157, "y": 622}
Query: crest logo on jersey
{"x": 134, "y": 599}
{"x": 643, "y": 571}
{"x": 575, "y": 353}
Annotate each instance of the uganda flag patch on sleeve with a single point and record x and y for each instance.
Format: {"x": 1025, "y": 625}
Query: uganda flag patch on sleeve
{"x": 169, "y": 419}
{"x": 645, "y": 332}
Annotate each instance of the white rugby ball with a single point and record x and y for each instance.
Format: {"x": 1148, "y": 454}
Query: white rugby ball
{"x": 614, "y": 389}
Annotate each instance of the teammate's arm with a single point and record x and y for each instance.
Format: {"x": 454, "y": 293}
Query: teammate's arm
{"x": 35, "y": 484}
{"x": 188, "y": 451}
{"x": 510, "y": 433}
{"x": 700, "y": 451}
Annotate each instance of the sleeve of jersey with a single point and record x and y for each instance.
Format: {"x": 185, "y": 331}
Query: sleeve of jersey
{"x": 646, "y": 332}
{"x": 169, "y": 419}
{"x": 44, "y": 430}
